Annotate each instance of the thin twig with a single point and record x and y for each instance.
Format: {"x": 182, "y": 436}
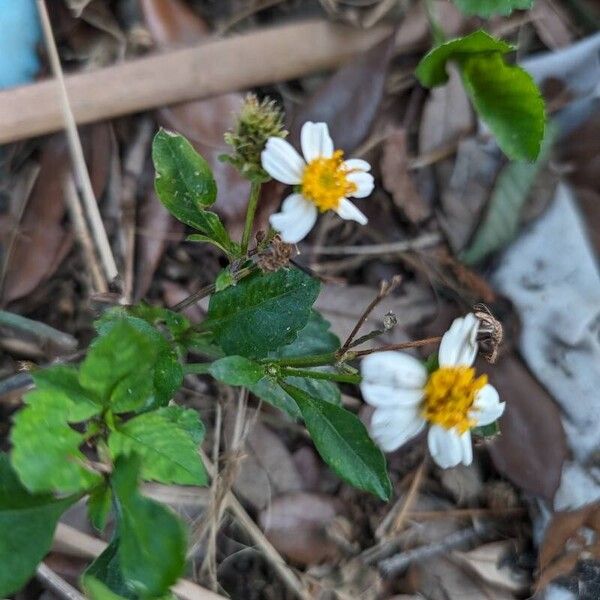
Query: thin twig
{"x": 385, "y": 289}
{"x": 401, "y": 346}
{"x": 83, "y": 235}
{"x": 56, "y": 584}
{"x": 76, "y": 150}
{"x": 425, "y": 241}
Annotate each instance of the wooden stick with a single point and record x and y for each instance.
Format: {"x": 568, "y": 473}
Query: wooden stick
{"x": 73, "y": 542}
{"x": 261, "y": 57}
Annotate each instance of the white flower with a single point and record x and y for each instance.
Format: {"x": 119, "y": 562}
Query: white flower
{"x": 451, "y": 399}
{"x": 324, "y": 179}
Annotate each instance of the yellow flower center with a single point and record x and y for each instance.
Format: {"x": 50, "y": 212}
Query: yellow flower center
{"x": 325, "y": 181}
{"x": 449, "y": 395}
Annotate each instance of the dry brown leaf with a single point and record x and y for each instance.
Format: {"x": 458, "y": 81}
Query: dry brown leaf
{"x": 348, "y": 101}
{"x": 464, "y": 483}
{"x": 266, "y": 469}
{"x": 172, "y": 23}
{"x": 531, "y": 448}
{"x": 447, "y": 115}
{"x": 490, "y": 563}
{"x": 398, "y": 181}
{"x": 551, "y": 24}
{"x": 296, "y": 524}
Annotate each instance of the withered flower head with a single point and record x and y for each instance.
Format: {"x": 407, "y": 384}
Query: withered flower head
{"x": 257, "y": 121}
{"x": 278, "y": 255}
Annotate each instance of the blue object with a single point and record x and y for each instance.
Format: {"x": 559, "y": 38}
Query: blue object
{"x": 19, "y": 35}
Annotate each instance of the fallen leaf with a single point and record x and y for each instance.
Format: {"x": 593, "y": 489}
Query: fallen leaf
{"x": 267, "y": 469}
{"x": 203, "y": 122}
{"x": 296, "y": 525}
{"x": 531, "y": 448}
{"x": 447, "y": 115}
{"x": 491, "y": 562}
{"x": 349, "y": 100}
{"x": 398, "y": 181}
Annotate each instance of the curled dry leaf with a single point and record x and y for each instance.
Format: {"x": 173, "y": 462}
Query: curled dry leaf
{"x": 296, "y": 524}
{"x": 398, "y": 181}
{"x": 203, "y": 122}
{"x": 530, "y": 450}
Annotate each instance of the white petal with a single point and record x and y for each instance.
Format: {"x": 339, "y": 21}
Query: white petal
{"x": 348, "y": 211}
{"x": 395, "y": 369}
{"x": 357, "y": 164}
{"x": 364, "y": 183}
{"x": 445, "y": 446}
{"x": 296, "y": 218}
{"x": 315, "y": 141}
{"x": 281, "y": 161}
{"x": 467, "y": 448}
{"x": 487, "y": 407}
{"x": 377, "y": 394}
{"x": 391, "y": 428}
{"x": 459, "y": 344}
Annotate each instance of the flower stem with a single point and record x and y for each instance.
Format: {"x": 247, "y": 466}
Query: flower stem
{"x": 196, "y": 368}
{"x": 317, "y": 360}
{"x": 251, "y": 211}
{"x": 339, "y": 377}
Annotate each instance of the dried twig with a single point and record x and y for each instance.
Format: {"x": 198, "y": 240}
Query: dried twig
{"x": 76, "y": 150}
{"x": 424, "y": 241}
{"x": 56, "y": 584}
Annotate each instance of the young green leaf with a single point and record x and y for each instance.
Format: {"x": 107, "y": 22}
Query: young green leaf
{"x": 99, "y": 504}
{"x": 106, "y": 570}
{"x": 27, "y": 523}
{"x": 45, "y": 450}
{"x": 152, "y": 540}
{"x": 343, "y": 443}
{"x": 505, "y": 96}
{"x": 262, "y": 312}
{"x": 167, "y": 442}
{"x": 488, "y": 8}
{"x": 185, "y": 185}
{"x": 501, "y": 222}
{"x": 237, "y": 370}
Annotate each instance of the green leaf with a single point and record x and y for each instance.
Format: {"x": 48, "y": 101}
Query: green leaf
{"x": 314, "y": 338}
{"x": 224, "y": 280}
{"x": 152, "y": 540}
{"x": 344, "y": 444}
{"x": 106, "y": 569}
{"x": 64, "y": 380}
{"x": 96, "y": 590}
{"x": 501, "y": 222}
{"x": 505, "y": 96}
{"x": 262, "y": 312}
{"x": 99, "y": 505}
{"x": 431, "y": 70}
{"x": 487, "y": 431}
{"x": 45, "y": 450}
{"x": 167, "y": 441}
{"x": 237, "y": 370}
{"x": 27, "y": 523}
{"x": 488, "y": 8}
{"x": 185, "y": 185}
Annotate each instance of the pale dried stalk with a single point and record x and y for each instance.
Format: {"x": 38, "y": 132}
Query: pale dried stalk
{"x": 82, "y": 232}
{"x": 424, "y": 241}
{"x": 76, "y": 149}
{"x": 70, "y": 541}
{"x": 56, "y": 584}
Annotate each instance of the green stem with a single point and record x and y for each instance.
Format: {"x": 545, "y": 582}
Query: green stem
{"x": 339, "y": 377}
{"x": 252, "y": 204}
{"x": 196, "y": 368}
{"x": 318, "y": 360}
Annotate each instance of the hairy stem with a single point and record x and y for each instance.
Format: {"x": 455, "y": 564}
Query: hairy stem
{"x": 252, "y": 204}
{"x": 316, "y": 360}
{"x": 339, "y": 377}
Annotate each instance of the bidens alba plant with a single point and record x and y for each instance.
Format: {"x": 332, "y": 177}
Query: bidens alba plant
{"x": 96, "y": 430}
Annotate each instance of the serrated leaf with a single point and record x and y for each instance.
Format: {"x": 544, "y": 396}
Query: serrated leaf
{"x": 99, "y": 504}
{"x": 45, "y": 450}
{"x": 262, "y": 312}
{"x": 237, "y": 370}
{"x": 431, "y": 70}
{"x": 314, "y": 338}
{"x": 505, "y": 96}
{"x": 488, "y": 8}
{"x": 64, "y": 381}
{"x": 167, "y": 442}
{"x": 501, "y": 222}
{"x": 344, "y": 444}
{"x": 186, "y": 187}
{"x": 27, "y": 523}
{"x": 152, "y": 540}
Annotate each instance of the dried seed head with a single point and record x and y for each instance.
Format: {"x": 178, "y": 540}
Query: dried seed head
{"x": 490, "y": 334}
{"x": 275, "y": 257}
{"x": 257, "y": 121}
